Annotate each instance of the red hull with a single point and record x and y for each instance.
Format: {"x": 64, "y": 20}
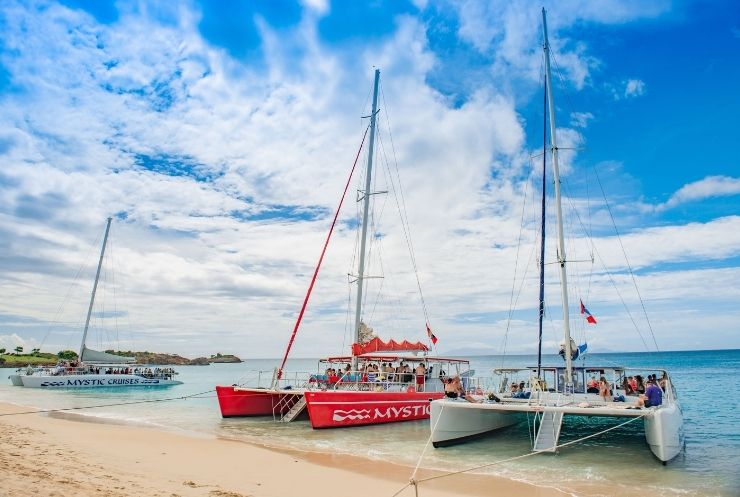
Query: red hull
{"x": 234, "y": 401}
{"x": 337, "y": 409}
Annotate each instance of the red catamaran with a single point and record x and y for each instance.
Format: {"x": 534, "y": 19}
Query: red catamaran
{"x": 380, "y": 382}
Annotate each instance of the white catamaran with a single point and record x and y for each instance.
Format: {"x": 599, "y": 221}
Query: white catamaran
{"x": 547, "y": 394}
{"x": 95, "y": 369}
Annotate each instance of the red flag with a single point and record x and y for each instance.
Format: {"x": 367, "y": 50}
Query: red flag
{"x": 589, "y": 316}
{"x": 431, "y": 335}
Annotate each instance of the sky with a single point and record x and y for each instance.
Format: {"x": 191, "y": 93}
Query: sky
{"x": 219, "y": 137}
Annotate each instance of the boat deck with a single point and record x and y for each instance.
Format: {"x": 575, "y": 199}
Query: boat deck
{"x": 577, "y": 407}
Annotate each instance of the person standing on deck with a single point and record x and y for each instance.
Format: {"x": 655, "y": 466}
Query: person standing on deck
{"x": 421, "y": 372}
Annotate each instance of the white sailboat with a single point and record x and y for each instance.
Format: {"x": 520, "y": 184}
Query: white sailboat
{"x": 95, "y": 369}
{"x": 548, "y": 394}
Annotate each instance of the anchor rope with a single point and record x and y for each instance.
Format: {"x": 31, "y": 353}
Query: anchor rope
{"x": 414, "y": 482}
{"x": 114, "y": 404}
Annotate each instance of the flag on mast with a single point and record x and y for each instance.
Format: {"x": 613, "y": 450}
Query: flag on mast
{"x": 589, "y": 317}
{"x": 431, "y": 335}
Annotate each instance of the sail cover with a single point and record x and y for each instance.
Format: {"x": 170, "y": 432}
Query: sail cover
{"x": 89, "y": 355}
{"x": 378, "y": 345}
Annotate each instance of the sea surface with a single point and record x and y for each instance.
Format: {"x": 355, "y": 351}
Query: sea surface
{"x": 706, "y": 381}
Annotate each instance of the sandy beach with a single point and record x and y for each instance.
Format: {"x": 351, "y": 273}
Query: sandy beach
{"x": 40, "y": 453}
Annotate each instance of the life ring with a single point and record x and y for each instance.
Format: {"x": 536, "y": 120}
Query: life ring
{"x": 411, "y": 389}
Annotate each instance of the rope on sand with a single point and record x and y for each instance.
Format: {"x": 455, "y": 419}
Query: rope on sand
{"x": 415, "y": 482}
{"x": 78, "y": 408}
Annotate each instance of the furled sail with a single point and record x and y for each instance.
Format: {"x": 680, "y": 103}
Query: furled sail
{"x": 89, "y": 355}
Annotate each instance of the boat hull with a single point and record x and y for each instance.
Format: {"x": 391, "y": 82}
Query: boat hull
{"x": 15, "y": 379}
{"x": 340, "y": 409}
{"x": 90, "y": 381}
{"x": 664, "y": 432}
{"x": 246, "y": 402}
{"x": 456, "y": 421}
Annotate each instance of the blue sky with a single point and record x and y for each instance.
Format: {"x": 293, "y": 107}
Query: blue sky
{"x": 220, "y": 135}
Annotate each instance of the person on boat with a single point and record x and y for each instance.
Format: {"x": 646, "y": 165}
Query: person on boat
{"x": 632, "y": 383}
{"x": 421, "y": 372}
{"x": 663, "y": 383}
{"x": 451, "y": 390}
{"x": 408, "y": 376}
{"x": 627, "y": 387}
{"x": 514, "y": 388}
{"x": 604, "y": 390}
{"x": 640, "y": 384}
{"x": 653, "y": 396}
{"x": 443, "y": 376}
{"x": 592, "y": 385}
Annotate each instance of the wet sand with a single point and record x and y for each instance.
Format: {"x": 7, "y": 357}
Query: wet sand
{"x": 61, "y": 456}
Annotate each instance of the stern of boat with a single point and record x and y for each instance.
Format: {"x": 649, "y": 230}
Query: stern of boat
{"x": 664, "y": 432}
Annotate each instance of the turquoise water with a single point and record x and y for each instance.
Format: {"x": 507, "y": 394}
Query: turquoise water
{"x": 706, "y": 382}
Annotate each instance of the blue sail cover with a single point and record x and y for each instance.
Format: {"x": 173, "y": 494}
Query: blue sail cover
{"x": 579, "y": 351}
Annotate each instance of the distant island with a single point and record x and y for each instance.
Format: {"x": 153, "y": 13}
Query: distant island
{"x": 17, "y": 359}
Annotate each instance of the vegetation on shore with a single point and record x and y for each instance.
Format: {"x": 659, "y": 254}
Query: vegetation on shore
{"x": 17, "y": 359}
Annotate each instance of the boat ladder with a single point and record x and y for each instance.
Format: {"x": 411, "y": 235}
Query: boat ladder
{"x": 295, "y": 410}
{"x": 549, "y": 432}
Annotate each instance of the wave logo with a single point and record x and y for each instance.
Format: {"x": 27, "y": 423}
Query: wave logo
{"x": 352, "y": 414}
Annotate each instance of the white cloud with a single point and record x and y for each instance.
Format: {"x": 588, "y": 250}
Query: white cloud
{"x": 634, "y": 88}
{"x": 709, "y": 187}
{"x": 580, "y": 119}
{"x": 511, "y": 33}
{"x": 321, "y": 7}
{"x": 198, "y": 270}
{"x": 10, "y": 342}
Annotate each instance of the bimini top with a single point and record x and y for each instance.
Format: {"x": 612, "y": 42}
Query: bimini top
{"x": 378, "y": 345}
{"x": 395, "y": 357}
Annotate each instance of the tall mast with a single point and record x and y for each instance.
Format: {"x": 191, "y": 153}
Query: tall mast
{"x": 365, "y": 212}
{"x": 95, "y": 288}
{"x": 542, "y": 237}
{"x": 559, "y": 209}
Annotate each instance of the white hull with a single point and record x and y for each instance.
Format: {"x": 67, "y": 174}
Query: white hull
{"x": 454, "y": 421}
{"x": 664, "y": 432}
{"x": 89, "y": 381}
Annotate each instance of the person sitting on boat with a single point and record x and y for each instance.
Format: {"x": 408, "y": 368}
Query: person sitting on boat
{"x": 640, "y": 384}
{"x": 450, "y": 387}
{"x": 632, "y": 383}
{"x": 454, "y": 389}
{"x": 514, "y": 388}
{"x": 653, "y": 396}
{"x": 592, "y": 385}
{"x": 421, "y": 372}
{"x": 627, "y": 387}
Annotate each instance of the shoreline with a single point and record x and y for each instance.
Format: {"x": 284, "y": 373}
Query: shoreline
{"x": 86, "y": 456}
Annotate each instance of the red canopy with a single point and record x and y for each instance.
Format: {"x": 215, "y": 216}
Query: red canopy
{"x": 378, "y": 345}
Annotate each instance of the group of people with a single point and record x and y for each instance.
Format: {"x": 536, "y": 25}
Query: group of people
{"x": 71, "y": 367}
{"x": 649, "y": 391}
{"x": 518, "y": 391}
{"x": 370, "y": 372}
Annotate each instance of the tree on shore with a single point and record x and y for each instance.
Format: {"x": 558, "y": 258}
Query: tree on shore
{"x": 18, "y": 350}
{"x": 67, "y": 354}
{"x": 2, "y": 351}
